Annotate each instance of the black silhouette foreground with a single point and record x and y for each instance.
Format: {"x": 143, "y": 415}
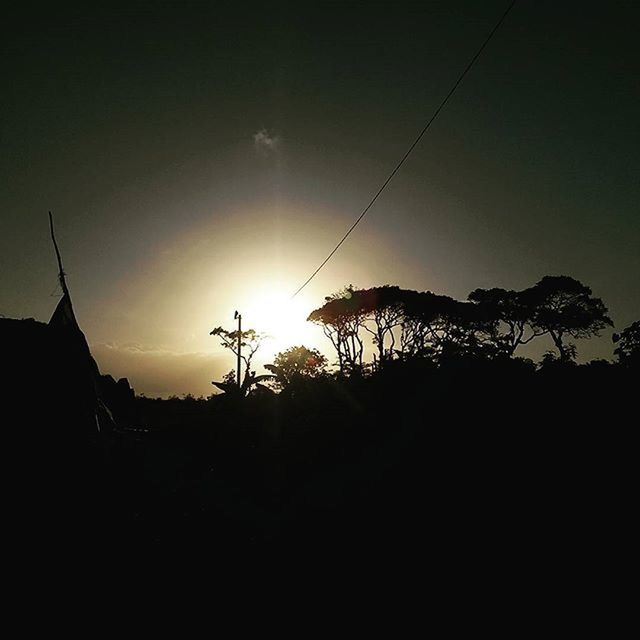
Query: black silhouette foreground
{"x": 446, "y": 445}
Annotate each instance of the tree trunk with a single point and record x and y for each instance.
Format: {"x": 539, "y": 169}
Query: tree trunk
{"x": 557, "y": 340}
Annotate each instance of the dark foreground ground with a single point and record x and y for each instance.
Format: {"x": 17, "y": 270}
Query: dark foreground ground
{"x": 462, "y": 466}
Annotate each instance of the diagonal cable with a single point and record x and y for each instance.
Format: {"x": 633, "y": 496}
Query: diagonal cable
{"x": 411, "y": 148}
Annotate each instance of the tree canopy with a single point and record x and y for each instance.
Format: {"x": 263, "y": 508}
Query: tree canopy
{"x": 492, "y": 323}
{"x": 563, "y": 306}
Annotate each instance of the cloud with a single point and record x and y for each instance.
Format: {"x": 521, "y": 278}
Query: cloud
{"x": 265, "y": 142}
{"x": 160, "y": 372}
{"x": 135, "y": 347}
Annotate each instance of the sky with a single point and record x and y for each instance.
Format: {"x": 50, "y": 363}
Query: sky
{"x": 202, "y": 158}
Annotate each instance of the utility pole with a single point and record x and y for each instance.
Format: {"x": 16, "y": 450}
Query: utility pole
{"x": 239, "y": 318}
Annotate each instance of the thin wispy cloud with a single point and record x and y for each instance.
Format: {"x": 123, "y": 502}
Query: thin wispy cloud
{"x": 146, "y": 349}
{"x": 266, "y": 143}
{"x": 156, "y": 371}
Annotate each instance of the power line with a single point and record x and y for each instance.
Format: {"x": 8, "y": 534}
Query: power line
{"x": 411, "y": 148}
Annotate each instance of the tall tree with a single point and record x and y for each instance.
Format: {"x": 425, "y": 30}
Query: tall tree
{"x": 341, "y": 318}
{"x": 439, "y": 326}
{"x": 384, "y": 310}
{"x": 566, "y": 307}
{"x": 513, "y": 313}
{"x": 419, "y": 319}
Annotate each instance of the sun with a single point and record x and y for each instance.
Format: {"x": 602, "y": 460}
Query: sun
{"x": 271, "y": 310}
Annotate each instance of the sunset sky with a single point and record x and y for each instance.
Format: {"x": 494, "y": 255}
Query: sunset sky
{"x": 201, "y": 158}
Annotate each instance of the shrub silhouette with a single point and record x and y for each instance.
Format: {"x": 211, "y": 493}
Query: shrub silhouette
{"x": 628, "y": 349}
{"x": 297, "y": 364}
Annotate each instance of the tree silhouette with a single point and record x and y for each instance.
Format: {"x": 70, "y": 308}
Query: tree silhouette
{"x": 513, "y": 311}
{"x": 341, "y": 318}
{"x": 628, "y": 349}
{"x": 296, "y": 364}
{"x": 250, "y": 341}
{"x": 384, "y": 308}
{"x": 440, "y": 327}
{"x": 563, "y": 307}
{"x": 492, "y": 324}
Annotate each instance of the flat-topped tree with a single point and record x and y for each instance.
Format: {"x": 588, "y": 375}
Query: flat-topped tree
{"x": 563, "y": 306}
{"x": 384, "y": 308}
{"x": 513, "y": 312}
{"x": 341, "y": 318}
{"x": 441, "y": 327}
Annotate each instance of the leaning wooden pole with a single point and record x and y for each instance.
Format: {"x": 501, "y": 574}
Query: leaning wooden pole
{"x": 61, "y": 273}
{"x": 239, "y": 349}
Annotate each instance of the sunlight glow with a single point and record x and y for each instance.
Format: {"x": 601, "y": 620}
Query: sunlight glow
{"x": 272, "y": 311}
